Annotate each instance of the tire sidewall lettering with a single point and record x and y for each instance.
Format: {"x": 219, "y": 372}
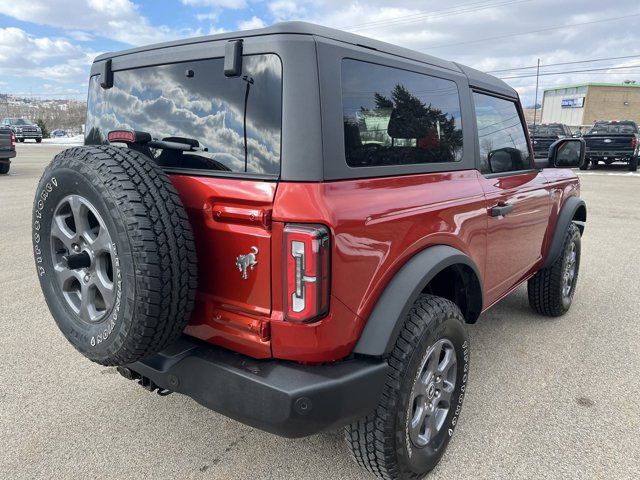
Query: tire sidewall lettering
{"x": 463, "y": 387}
{"x": 113, "y": 316}
{"x": 40, "y": 204}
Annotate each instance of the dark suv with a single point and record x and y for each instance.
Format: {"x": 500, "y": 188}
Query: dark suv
{"x": 294, "y": 225}
{"x": 545, "y": 134}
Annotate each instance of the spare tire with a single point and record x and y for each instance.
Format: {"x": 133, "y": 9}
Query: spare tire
{"x": 114, "y": 252}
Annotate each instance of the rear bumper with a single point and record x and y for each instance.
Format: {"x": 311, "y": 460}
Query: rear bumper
{"x": 284, "y": 398}
{"x": 609, "y": 153}
{"x": 6, "y": 155}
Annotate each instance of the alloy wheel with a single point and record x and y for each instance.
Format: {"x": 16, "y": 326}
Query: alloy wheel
{"x": 83, "y": 258}
{"x": 432, "y": 393}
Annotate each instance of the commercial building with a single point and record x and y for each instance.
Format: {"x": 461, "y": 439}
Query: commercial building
{"x": 582, "y": 105}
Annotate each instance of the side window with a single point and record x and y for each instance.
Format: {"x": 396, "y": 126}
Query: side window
{"x": 503, "y": 143}
{"x": 396, "y": 117}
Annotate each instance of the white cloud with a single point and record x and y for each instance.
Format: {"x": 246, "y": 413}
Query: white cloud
{"x": 286, "y": 9}
{"x": 23, "y": 55}
{"x": 80, "y": 36}
{"x": 16, "y": 44}
{"x": 233, "y": 4}
{"x": 211, "y": 16}
{"x": 116, "y": 19}
{"x": 252, "y": 23}
{"x": 216, "y": 31}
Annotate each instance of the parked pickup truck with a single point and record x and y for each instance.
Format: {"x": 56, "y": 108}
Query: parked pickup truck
{"x": 544, "y": 134}
{"x": 311, "y": 261}
{"x": 23, "y": 129}
{"x": 612, "y": 141}
{"x": 7, "y": 149}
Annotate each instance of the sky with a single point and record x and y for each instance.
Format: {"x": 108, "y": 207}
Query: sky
{"x": 46, "y": 49}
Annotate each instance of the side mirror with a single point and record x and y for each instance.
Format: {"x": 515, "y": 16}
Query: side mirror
{"x": 567, "y": 153}
{"x": 504, "y": 160}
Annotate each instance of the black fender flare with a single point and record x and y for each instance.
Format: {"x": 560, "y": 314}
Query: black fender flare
{"x": 385, "y": 321}
{"x": 573, "y": 207}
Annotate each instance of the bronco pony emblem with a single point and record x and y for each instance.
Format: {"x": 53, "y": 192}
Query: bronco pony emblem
{"x": 247, "y": 262}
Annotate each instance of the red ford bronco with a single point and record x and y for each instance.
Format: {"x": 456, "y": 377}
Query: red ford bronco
{"x": 293, "y": 226}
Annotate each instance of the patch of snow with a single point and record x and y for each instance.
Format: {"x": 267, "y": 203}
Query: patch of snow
{"x": 77, "y": 140}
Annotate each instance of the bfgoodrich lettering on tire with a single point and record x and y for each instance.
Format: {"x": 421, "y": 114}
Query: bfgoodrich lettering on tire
{"x": 114, "y": 253}
{"x": 407, "y": 434}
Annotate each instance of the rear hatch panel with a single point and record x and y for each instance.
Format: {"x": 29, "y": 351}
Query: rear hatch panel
{"x": 231, "y": 218}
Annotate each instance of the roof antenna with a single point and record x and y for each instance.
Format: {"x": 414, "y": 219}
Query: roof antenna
{"x": 535, "y": 103}
{"x": 249, "y": 80}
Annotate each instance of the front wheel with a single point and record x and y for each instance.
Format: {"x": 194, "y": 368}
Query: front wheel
{"x": 407, "y": 434}
{"x": 585, "y": 164}
{"x": 551, "y": 289}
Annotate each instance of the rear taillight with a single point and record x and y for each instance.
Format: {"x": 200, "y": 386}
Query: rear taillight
{"x": 306, "y": 272}
{"x": 634, "y": 142}
{"x": 12, "y": 140}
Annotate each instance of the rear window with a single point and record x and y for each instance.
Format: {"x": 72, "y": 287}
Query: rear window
{"x": 613, "y": 128}
{"x": 396, "y": 117}
{"x": 194, "y": 101}
{"x": 544, "y": 130}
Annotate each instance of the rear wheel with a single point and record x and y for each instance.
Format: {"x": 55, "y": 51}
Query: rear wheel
{"x": 594, "y": 164}
{"x": 585, "y": 164}
{"x": 551, "y": 289}
{"x": 4, "y": 168}
{"x": 38, "y": 140}
{"x": 633, "y": 164}
{"x": 407, "y": 434}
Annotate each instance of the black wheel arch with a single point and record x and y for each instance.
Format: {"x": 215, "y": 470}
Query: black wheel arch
{"x": 573, "y": 210}
{"x": 461, "y": 283}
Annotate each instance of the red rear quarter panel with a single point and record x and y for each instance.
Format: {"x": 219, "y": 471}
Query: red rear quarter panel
{"x": 377, "y": 225}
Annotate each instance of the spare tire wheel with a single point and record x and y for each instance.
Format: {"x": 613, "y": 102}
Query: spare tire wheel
{"x": 114, "y": 252}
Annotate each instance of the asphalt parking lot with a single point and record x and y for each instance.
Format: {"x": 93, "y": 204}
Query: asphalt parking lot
{"x": 547, "y": 398}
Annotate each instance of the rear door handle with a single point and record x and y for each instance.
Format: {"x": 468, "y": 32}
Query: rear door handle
{"x": 501, "y": 209}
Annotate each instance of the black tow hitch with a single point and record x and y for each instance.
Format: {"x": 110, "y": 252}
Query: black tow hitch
{"x": 144, "y": 382}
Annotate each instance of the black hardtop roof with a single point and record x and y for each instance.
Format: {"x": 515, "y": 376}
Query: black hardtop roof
{"x": 476, "y": 78}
